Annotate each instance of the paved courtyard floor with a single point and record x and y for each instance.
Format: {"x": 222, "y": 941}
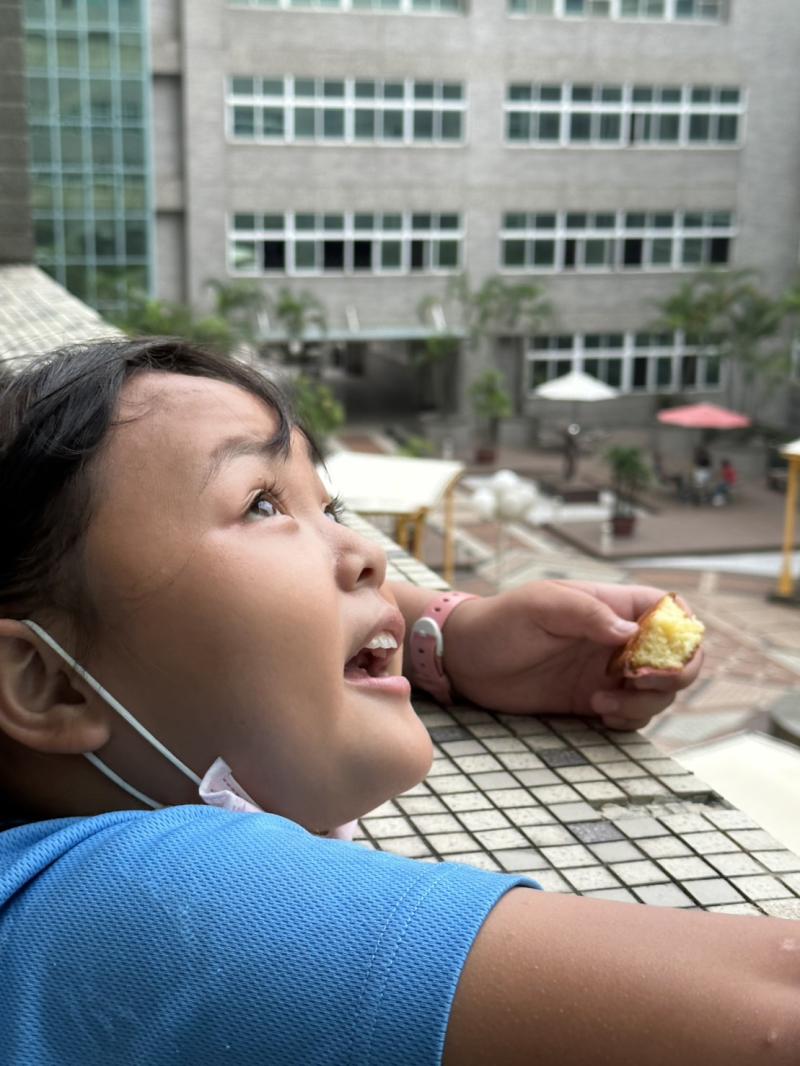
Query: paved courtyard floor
{"x": 752, "y": 648}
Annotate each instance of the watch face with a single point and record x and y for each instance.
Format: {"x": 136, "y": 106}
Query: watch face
{"x": 427, "y": 627}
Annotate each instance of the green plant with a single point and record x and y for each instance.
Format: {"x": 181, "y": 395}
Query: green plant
{"x": 159, "y": 318}
{"x": 298, "y": 314}
{"x": 629, "y": 475}
{"x": 490, "y": 402}
{"x": 416, "y": 448}
{"x": 317, "y": 409}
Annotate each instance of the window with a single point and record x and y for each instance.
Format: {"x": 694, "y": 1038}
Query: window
{"x": 407, "y": 7}
{"x": 630, "y": 362}
{"x": 644, "y": 10}
{"x": 623, "y": 116}
{"x": 350, "y": 111}
{"x": 87, "y": 91}
{"x": 361, "y": 243}
{"x": 623, "y": 240}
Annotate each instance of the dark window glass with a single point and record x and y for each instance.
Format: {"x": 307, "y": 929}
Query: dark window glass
{"x": 274, "y": 253}
{"x": 664, "y": 372}
{"x": 423, "y": 125}
{"x": 418, "y": 255}
{"x": 333, "y": 122}
{"x": 514, "y": 253}
{"x": 688, "y": 371}
{"x": 549, "y": 127}
{"x": 669, "y": 127}
{"x": 544, "y": 253}
{"x": 519, "y": 92}
{"x": 640, "y": 372}
{"x": 362, "y": 255}
{"x": 304, "y": 122}
{"x": 451, "y": 125}
{"x": 591, "y": 367}
{"x": 136, "y": 239}
{"x": 447, "y": 255}
{"x": 393, "y": 125}
{"x": 570, "y": 249}
{"x": 727, "y": 128}
{"x": 580, "y": 126}
{"x": 720, "y": 250}
{"x": 333, "y": 255}
{"x": 713, "y": 368}
{"x": 100, "y": 99}
{"x": 365, "y": 123}
{"x": 272, "y": 118}
{"x": 563, "y": 366}
{"x": 105, "y": 239}
{"x": 632, "y": 252}
{"x": 614, "y": 372}
{"x": 610, "y": 127}
{"x": 699, "y": 127}
{"x": 519, "y": 126}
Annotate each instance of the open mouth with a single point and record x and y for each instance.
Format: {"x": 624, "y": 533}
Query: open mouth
{"x": 369, "y": 667}
{"x": 370, "y": 662}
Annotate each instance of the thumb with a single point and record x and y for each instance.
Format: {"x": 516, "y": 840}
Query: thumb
{"x": 577, "y": 614}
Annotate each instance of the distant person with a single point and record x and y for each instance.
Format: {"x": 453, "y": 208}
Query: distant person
{"x": 725, "y": 486}
{"x": 571, "y": 434}
{"x": 701, "y": 475}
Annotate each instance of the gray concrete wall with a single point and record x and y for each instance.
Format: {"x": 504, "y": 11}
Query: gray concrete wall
{"x": 16, "y": 235}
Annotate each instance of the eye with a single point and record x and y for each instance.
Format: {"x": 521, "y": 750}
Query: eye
{"x": 335, "y": 509}
{"x": 262, "y": 507}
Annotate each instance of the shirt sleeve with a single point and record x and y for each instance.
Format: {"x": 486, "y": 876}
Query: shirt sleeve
{"x": 194, "y": 935}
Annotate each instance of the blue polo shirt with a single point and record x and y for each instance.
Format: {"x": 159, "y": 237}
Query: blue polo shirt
{"x": 194, "y": 935}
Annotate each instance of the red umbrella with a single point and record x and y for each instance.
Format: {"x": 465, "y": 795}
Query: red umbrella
{"x": 703, "y": 416}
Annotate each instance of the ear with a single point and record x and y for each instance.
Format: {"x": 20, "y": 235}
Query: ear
{"x": 43, "y": 705}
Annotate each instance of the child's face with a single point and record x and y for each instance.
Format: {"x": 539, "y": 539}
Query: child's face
{"x": 225, "y": 622}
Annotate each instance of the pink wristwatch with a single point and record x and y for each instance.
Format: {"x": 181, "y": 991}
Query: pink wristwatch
{"x": 427, "y": 646}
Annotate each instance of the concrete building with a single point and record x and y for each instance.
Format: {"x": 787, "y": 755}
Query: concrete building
{"x": 368, "y": 151}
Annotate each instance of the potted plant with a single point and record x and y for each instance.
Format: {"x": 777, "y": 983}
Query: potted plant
{"x": 490, "y": 404}
{"x": 629, "y": 474}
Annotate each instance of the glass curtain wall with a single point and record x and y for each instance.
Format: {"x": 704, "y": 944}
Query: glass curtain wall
{"x": 89, "y": 106}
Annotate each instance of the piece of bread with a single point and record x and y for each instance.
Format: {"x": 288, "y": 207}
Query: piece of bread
{"x": 667, "y": 640}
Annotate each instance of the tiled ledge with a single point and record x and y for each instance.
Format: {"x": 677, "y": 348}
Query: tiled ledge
{"x": 580, "y": 808}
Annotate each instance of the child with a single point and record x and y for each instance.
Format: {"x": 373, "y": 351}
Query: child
{"x": 186, "y": 626}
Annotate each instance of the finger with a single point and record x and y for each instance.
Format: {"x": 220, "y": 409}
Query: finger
{"x": 631, "y": 705}
{"x": 673, "y": 682}
{"x": 571, "y": 612}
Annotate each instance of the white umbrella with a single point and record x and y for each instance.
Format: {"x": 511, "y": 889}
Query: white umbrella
{"x": 577, "y": 387}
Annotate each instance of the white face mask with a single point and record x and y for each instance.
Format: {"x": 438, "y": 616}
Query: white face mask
{"x": 217, "y": 788}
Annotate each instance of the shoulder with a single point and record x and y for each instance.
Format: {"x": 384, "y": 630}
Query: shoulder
{"x": 249, "y": 925}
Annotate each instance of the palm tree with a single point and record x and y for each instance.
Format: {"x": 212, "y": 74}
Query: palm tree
{"x": 299, "y": 313}
{"x": 241, "y": 304}
{"x": 726, "y": 312}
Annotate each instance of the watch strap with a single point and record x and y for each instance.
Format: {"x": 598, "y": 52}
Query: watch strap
{"x": 426, "y": 646}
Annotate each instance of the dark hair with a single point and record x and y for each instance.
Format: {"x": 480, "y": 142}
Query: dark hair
{"x": 55, "y": 414}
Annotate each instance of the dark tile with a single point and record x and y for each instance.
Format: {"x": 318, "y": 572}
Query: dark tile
{"x": 595, "y": 832}
{"x": 440, "y": 734}
{"x": 561, "y": 757}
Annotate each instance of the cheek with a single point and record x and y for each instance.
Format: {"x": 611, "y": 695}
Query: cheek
{"x": 241, "y": 619}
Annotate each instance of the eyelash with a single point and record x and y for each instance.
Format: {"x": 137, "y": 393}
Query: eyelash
{"x": 273, "y": 494}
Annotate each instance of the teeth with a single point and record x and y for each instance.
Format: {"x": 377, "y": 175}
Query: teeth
{"x": 382, "y": 640}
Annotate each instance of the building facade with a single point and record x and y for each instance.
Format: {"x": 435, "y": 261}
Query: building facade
{"x": 369, "y": 151}
{"x": 88, "y": 84}
{"x": 16, "y": 238}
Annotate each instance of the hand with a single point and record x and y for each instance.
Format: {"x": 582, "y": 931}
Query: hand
{"x": 545, "y": 647}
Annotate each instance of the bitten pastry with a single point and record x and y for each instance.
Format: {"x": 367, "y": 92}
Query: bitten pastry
{"x": 667, "y": 640}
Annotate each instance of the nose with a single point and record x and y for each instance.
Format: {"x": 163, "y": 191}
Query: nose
{"x": 360, "y": 562}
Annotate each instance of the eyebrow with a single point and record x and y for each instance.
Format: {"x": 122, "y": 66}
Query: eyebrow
{"x": 277, "y": 447}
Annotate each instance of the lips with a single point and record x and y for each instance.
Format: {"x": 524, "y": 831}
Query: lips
{"x": 368, "y": 664}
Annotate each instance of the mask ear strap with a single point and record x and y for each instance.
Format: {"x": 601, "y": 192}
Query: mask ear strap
{"x": 115, "y": 705}
{"x": 109, "y": 773}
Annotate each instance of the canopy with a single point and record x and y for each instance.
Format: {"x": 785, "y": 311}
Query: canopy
{"x": 703, "y": 416}
{"x": 577, "y": 387}
{"x": 791, "y": 450}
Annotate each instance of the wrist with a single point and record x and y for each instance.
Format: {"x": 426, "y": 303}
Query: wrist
{"x": 427, "y": 642}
